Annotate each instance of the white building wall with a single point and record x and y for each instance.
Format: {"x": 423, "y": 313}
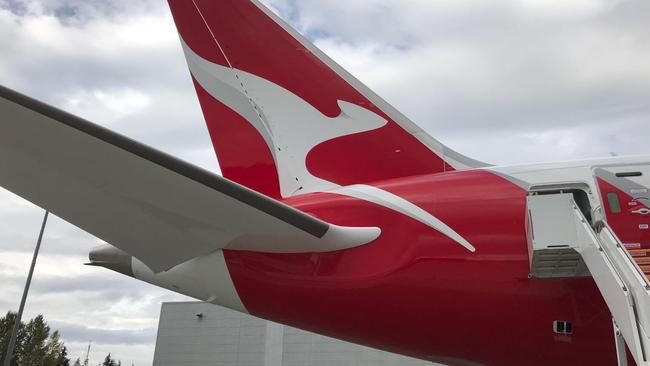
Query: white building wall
{"x": 223, "y": 337}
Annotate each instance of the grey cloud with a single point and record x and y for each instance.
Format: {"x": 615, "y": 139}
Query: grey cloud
{"x": 20, "y": 231}
{"x": 475, "y": 70}
{"x": 101, "y": 282}
{"x": 76, "y": 12}
{"x": 15, "y": 6}
{"x": 80, "y": 333}
{"x": 58, "y": 72}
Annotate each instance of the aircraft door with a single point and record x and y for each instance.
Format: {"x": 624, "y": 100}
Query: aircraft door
{"x": 626, "y": 201}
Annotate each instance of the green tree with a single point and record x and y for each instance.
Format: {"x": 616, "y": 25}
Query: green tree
{"x": 109, "y": 361}
{"x": 63, "y": 357}
{"x": 56, "y": 353}
{"x": 6, "y": 327}
{"x": 34, "y": 348}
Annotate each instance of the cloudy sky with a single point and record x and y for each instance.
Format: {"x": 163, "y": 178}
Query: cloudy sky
{"x": 504, "y": 81}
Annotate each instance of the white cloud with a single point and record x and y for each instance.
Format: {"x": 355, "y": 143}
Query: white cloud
{"x": 469, "y": 70}
{"x": 115, "y": 103}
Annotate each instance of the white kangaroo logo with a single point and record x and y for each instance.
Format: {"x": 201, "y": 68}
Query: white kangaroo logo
{"x": 292, "y": 127}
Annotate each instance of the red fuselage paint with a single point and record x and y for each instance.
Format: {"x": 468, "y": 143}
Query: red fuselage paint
{"x": 626, "y": 223}
{"x": 417, "y": 292}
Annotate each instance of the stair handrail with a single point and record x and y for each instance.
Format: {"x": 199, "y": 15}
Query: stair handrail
{"x": 619, "y": 245}
{"x": 640, "y": 299}
{"x": 610, "y": 249}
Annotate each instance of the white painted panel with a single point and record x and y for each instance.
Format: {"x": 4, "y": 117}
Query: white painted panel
{"x": 552, "y": 220}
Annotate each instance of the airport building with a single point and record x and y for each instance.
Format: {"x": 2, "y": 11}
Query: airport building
{"x": 202, "y": 334}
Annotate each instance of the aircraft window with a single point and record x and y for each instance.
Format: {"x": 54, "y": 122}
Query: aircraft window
{"x": 614, "y": 203}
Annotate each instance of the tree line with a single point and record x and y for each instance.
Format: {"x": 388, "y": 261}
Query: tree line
{"x": 37, "y": 344}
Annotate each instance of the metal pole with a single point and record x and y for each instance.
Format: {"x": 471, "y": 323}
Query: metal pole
{"x": 621, "y": 355}
{"x": 14, "y": 334}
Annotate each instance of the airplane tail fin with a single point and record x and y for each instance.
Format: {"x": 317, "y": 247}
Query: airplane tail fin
{"x": 284, "y": 118}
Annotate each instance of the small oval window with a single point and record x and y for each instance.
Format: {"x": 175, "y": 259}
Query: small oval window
{"x": 614, "y": 203}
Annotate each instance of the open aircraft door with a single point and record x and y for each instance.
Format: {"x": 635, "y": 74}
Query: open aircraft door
{"x": 626, "y": 201}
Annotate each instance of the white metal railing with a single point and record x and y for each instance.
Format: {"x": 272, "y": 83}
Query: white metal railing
{"x": 613, "y": 239}
{"x": 636, "y": 281}
{"x": 620, "y": 281}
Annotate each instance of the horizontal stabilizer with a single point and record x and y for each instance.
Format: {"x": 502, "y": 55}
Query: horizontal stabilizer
{"x": 153, "y": 206}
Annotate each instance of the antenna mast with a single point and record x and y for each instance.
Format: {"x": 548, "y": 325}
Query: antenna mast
{"x": 87, "y": 353}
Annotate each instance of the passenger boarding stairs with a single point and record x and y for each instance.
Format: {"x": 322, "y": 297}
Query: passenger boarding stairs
{"x": 642, "y": 259}
{"x": 564, "y": 243}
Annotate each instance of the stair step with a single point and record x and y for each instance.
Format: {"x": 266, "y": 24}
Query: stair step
{"x": 639, "y": 252}
{"x": 645, "y": 269}
{"x": 642, "y": 260}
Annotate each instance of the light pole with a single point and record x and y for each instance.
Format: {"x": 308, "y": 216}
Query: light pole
{"x": 14, "y": 334}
